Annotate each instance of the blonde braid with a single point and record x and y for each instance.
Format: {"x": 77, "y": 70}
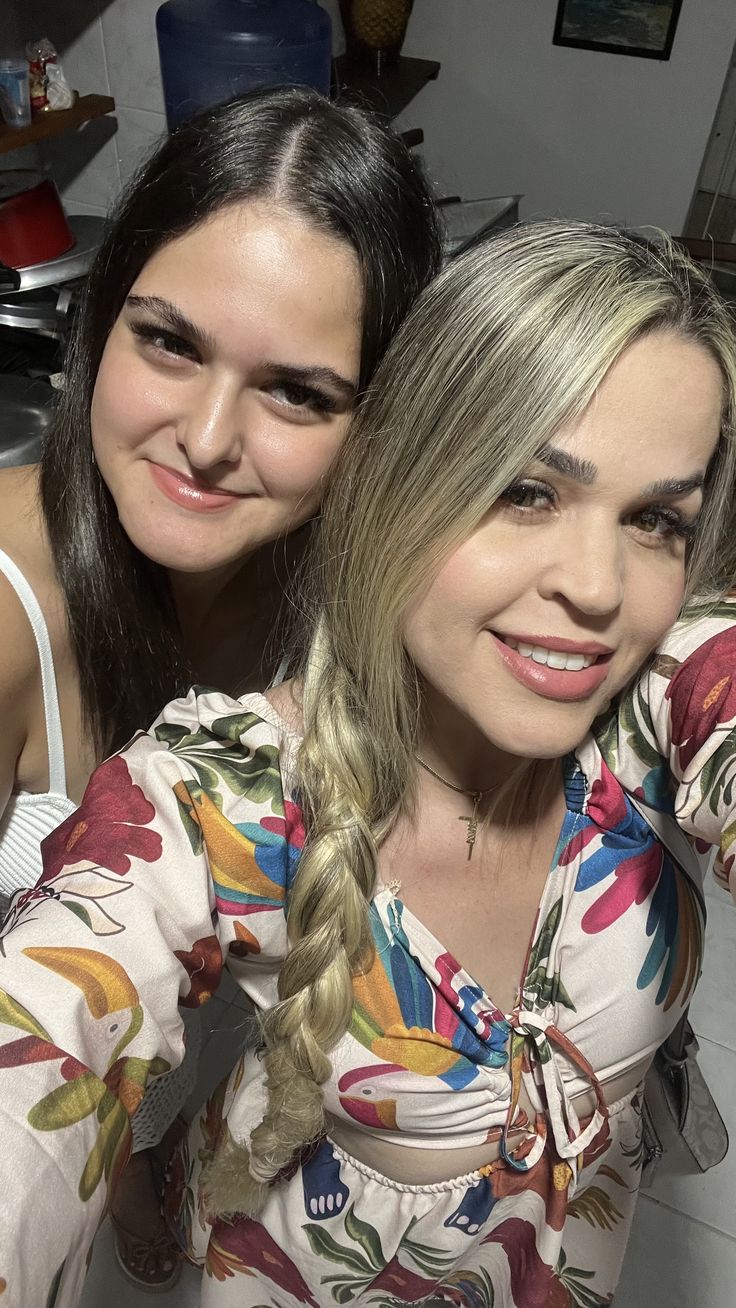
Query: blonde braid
{"x": 328, "y": 925}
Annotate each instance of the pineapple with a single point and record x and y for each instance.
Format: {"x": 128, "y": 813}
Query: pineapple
{"x": 381, "y": 24}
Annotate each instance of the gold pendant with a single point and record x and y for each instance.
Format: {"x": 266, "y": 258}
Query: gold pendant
{"x": 472, "y": 823}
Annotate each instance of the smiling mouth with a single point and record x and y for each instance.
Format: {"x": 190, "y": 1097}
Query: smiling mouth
{"x": 560, "y": 660}
{"x": 183, "y": 490}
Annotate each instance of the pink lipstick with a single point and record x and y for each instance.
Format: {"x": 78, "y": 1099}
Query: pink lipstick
{"x": 188, "y": 493}
{"x": 566, "y": 684}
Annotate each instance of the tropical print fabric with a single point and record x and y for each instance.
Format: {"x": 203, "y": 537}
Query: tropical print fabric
{"x": 182, "y": 856}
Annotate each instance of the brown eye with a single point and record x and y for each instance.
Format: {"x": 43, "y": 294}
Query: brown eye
{"x": 528, "y": 495}
{"x": 664, "y": 523}
{"x": 292, "y": 395}
{"x": 163, "y": 342}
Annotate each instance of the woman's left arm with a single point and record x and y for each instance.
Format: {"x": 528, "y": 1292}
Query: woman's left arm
{"x": 94, "y": 962}
{"x": 673, "y": 737}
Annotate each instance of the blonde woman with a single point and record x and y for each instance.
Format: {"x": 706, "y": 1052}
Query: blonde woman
{"x": 464, "y": 940}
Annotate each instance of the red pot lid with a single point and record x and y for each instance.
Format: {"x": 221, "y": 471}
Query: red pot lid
{"x": 16, "y": 181}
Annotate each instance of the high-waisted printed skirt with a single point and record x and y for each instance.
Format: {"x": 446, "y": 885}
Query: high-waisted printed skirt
{"x": 337, "y": 1232}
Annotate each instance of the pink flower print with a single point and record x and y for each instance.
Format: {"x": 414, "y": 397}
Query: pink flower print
{"x": 108, "y": 829}
{"x": 702, "y": 694}
{"x": 635, "y": 878}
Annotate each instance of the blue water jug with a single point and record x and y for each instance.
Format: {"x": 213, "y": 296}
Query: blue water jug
{"x": 211, "y": 50}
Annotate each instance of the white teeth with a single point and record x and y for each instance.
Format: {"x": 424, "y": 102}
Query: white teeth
{"x": 575, "y": 662}
{"x": 559, "y": 659}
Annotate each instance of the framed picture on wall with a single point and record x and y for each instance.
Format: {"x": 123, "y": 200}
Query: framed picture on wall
{"x": 629, "y": 27}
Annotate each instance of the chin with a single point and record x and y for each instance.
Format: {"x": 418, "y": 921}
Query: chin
{"x": 542, "y": 737}
{"x": 177, "y": 558}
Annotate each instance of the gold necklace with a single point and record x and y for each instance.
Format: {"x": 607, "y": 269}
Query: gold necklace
{"x": 475, "y": 795}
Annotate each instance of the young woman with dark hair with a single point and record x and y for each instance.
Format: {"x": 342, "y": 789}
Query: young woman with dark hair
{"x": 247, "y": 286}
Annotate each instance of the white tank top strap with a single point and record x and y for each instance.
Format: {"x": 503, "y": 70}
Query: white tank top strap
{"x": 54, "y": 737}
{"x": 281, "y": 673}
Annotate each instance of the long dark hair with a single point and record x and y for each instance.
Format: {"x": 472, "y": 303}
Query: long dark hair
{"x": 348, "y": 174}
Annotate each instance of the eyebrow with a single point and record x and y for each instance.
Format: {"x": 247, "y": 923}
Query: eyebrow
{"x": 178, "y": 322}
{"x": 585, "y": 472}
{"x": 173, "y": 317}
{"x": 581, "y": 470}
{"x": 319, "y": 374}
{"x": 674, "y": 486}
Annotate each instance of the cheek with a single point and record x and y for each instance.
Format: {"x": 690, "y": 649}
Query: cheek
{"x": 293, "y": 463}
{"x": 654, "y": 605}
{"x": 432, "y": 624}
{"x": 123, "y": 409}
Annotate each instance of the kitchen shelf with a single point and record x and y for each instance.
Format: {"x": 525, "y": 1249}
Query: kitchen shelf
{"x": 54, "y": 122}
{"x": 388, "y": 92}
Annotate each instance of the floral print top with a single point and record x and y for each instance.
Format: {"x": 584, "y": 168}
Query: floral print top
{"x": 181, "y": 857}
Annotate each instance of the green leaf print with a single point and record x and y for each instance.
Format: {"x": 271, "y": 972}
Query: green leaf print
{"x": 635, "y": 1153}
{"x": 140, "y": 1070}
{"x": 235, "y": 725}
{"x": 259, "y": 777}
{"x": 543, "y": 944}
{"x": 572, "y": 1278}
{"x": 79, "y": 911}
{"x": 325, "y": 1246}
{"x": 68, "y": 1103}
{"x": 136, "y": 1022}
{"x": 14, "y": 1014}
{"x": 256, "y": 773}
{"x": 547, "y": 989}
{"x": 426, "y": 1259}
{"x": 718, "y": 786}
{"x": 171, "y": 733}
{"x": 55, "y": 1286}
{"x": 366, "y": 1236}
{"x": 596, "y": 1207}
{"x": 614, "y": 1176}
{"x": 605, "y": 730}
{"x": 538, "y": 984}
{"x": 705, "y": 608}
{"x": 103, "y": 1151}
{"x": 480, "y": 1282}
{"x": 636, "y": 720}
{"x": 192, "y": 827}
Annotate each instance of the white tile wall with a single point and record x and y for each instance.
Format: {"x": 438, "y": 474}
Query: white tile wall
{"x": 129, "y": 32}
{"x": 139, "y": 131}
{"x": 108, "y": 46}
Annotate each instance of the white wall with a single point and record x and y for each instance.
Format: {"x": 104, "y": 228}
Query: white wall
{"x": 581, "y": 133}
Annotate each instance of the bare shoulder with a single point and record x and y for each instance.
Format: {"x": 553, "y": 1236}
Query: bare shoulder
{"x": 19, "y": 682}
{"x": 22, "y": 541}
{"x": 24, "y": 538}
{"x": 286, "y": 700}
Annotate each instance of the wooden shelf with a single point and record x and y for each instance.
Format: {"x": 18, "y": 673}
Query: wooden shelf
{"x": 412, "y": 138}
{"x": 388, "y": 92}
{"x": 53, "y": 123}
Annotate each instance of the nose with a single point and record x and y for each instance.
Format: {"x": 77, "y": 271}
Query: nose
{"x": 587, "y": 568}
{"x": 209, "y": 429}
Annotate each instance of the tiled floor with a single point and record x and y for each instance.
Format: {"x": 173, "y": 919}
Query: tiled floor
{"x": 682, "y": 1252}
{"x": 683, "y": 1247}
